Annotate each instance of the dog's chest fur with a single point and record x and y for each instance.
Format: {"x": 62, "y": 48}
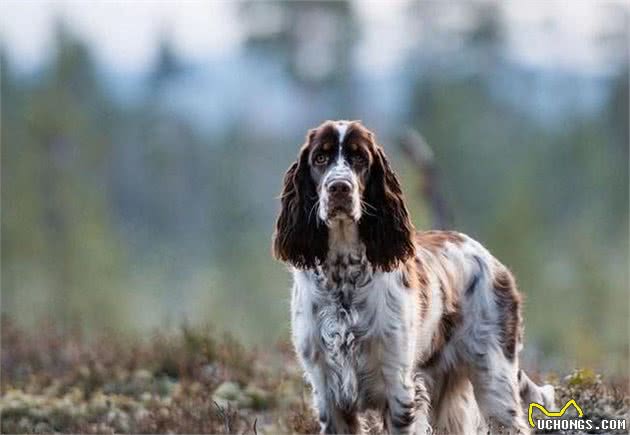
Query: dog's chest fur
{"x": 338, "y": 302}
{"x": 345, "y": 331}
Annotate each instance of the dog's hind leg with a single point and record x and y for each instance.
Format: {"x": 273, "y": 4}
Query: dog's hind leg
{"x": 496, "y": 389}
{"x": 455, "y": 410}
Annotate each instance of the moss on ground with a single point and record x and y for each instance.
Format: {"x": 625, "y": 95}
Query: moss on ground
{"x": 192, "y": 381}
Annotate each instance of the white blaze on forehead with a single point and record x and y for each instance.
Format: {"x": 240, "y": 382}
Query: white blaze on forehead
{"x": 342, "y": 128}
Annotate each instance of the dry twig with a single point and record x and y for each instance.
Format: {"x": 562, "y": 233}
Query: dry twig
{"x": 416, "y": 148}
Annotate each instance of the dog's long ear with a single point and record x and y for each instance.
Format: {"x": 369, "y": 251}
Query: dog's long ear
{"x": 387, "y": 230}
{"x": 300, "y": 238}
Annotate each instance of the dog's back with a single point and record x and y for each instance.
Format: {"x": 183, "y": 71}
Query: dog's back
{"x": 471, "y": 364}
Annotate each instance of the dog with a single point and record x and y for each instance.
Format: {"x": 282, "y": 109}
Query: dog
{"x": 424, "y": 328}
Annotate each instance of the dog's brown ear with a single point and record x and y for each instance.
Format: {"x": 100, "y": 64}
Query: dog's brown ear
{"x": 300, "y": 238}
{"x": 387, "y": 230}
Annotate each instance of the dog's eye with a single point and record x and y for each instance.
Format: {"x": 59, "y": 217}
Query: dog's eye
{"x": 359, "y": 160}
{"x": 320, "y": 159}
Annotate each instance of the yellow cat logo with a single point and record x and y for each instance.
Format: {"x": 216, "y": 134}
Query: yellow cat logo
{"x": 553, "y": 414}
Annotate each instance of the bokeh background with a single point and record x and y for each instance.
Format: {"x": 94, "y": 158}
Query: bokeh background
{"x": 143, "y": 146}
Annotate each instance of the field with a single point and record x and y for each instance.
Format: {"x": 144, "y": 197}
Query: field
{"x": 188, "y": 381}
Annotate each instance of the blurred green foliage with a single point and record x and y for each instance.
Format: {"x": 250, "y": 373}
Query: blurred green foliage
{"x": 126, "y": 216}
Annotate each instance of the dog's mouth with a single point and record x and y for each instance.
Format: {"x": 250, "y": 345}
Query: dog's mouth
{"x": 339, "y": 208}
{"x": 340, "y": 212}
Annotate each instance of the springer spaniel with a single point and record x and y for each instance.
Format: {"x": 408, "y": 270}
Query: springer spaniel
{"x": 423, "y": 327}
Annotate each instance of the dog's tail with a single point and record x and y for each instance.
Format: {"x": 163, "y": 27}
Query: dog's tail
{"x": 531, "y": 392}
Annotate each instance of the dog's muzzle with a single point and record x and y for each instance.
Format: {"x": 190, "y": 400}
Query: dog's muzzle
{"x": 339, "y": 197}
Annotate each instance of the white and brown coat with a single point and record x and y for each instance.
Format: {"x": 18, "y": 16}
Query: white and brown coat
{"x": 423, "y": 327}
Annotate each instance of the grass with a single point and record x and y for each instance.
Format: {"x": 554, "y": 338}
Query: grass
{"x": 191, "y": 381}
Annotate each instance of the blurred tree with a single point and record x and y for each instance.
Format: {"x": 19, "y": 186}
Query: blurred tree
{"x": 105, "y": 201}
{"x": 56, "y": 228}
{"x": 313, "y": 39}
{"x": 167, "y": 64}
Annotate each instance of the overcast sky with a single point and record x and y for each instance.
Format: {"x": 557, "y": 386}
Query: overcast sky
{"x": 558, "y": 34}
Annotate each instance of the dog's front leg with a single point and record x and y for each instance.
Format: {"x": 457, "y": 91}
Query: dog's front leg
{"x": 400, "y": 411}
{"x": 406, "y": 398}
{"x": 332, "y": 418}
{"x": 406, "y": 404}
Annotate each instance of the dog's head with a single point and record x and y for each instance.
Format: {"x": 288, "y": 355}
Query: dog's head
{"x": 342, "y": 174}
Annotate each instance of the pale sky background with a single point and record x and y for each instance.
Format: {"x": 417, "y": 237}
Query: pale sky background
{"x": 553, "y": 34}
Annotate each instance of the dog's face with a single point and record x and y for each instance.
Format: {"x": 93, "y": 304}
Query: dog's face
{"x": 340, "y": 156}
{"x": 342, "y": 174}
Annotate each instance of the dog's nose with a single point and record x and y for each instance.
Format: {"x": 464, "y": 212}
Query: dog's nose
{"x": 339, "y": 188}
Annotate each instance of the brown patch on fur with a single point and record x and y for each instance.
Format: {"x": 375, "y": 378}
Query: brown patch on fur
{"x": 410, "y": 275}
{"x": 415, "y": 277}
{"x": 449, "y": 294}
{"x": 508, "y": 301}
{"x": 448, "y": 323}
{"x": 424, "y": 292}
{"x": 431, "y": 245}
{"x": 451, "y": 318}
{"x": 422, "y": 274}
{"x": 435, "y": 240}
